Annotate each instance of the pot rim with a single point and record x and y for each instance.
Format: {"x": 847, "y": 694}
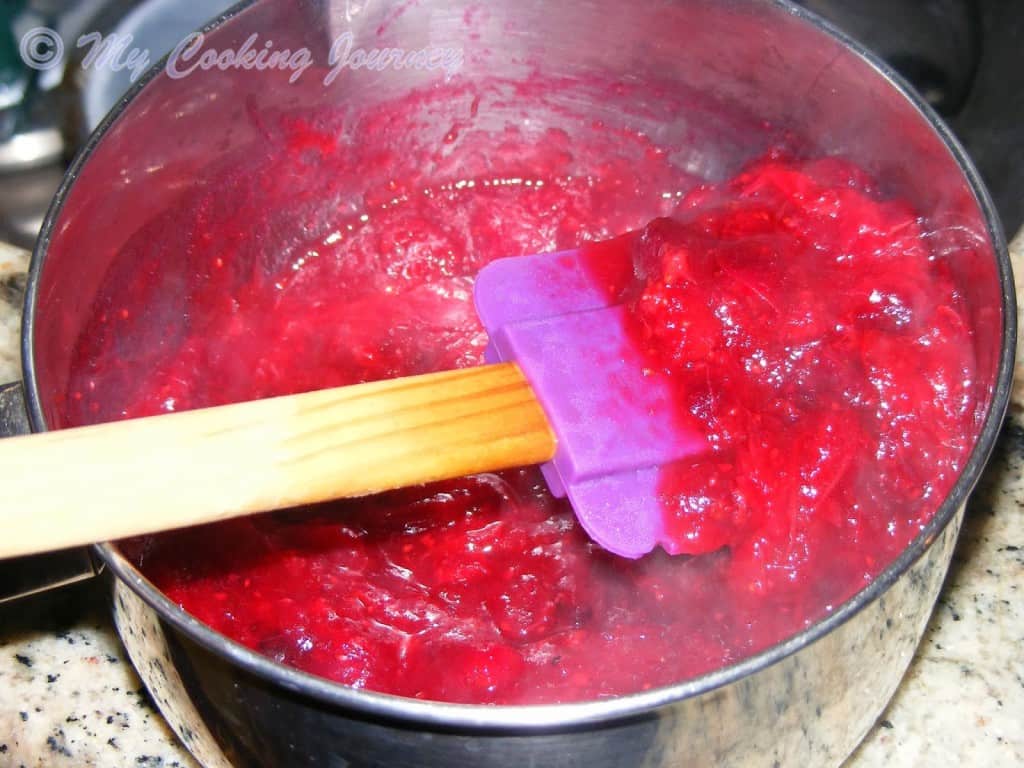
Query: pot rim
{"x": 550, "y": 717}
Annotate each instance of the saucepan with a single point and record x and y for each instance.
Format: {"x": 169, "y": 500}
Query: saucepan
{"x": 721, "y": 80}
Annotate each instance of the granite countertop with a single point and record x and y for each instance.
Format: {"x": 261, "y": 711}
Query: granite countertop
{"x": 69, "y": 697}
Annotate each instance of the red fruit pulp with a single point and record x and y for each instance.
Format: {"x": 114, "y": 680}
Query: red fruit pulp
{"x": 807, "y": 327}
{"x": 807, "y": 330}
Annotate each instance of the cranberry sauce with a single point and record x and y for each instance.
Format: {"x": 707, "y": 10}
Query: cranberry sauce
{"x": 809, "y": 333}
{"x": 807, "y": 327}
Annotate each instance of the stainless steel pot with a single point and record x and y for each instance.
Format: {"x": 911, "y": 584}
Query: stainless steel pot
{"x": 807, "y": 701}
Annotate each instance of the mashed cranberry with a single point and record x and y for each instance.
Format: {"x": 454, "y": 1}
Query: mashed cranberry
{"x": 807, "y": 327}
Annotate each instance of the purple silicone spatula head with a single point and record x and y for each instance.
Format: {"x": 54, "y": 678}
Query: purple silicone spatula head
{"x": 612, "y": 419}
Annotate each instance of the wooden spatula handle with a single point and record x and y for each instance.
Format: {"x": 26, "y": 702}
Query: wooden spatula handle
{"x": 110, "y": 481}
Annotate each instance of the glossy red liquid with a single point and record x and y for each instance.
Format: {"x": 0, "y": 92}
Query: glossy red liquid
{"x": 807, "y": 326}
{"x": 809, "y": 332}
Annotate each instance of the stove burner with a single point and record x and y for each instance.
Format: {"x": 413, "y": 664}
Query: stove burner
{"x": 934, "y": 44}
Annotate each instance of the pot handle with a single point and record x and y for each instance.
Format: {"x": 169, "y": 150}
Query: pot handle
{"x": 24, "y": 576}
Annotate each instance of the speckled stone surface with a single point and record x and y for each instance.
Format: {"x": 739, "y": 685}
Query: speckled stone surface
{"x": 13, "y": 266}
{"x": 68, "y": 697}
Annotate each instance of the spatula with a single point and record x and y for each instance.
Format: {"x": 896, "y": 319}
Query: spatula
{"x": 564, "y": 388}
